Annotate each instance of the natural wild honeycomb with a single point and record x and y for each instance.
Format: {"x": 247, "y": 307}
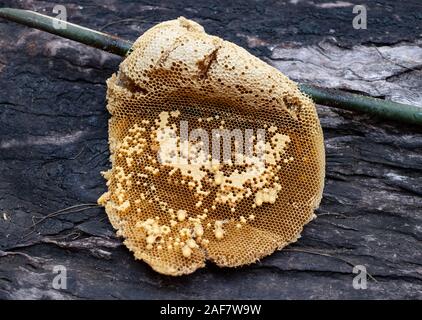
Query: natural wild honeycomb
{"x": 179, "y": 96}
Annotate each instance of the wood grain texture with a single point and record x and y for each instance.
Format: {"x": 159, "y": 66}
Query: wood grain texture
{"x": 53, "y": 145}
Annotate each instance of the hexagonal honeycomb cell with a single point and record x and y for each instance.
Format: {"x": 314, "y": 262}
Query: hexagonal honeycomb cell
{"x": 179, "y": 96}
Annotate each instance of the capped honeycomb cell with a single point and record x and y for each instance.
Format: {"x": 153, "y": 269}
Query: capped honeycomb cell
{"x": 215, "y": 154}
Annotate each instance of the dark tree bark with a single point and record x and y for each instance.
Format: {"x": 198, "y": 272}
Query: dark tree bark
{"x": 53, "y": 145}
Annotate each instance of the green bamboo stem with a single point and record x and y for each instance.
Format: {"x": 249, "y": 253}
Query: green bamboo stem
{"x": 330, "y": 97}
{"x": 69, "y": 30}
{"x": 354, "y": 102}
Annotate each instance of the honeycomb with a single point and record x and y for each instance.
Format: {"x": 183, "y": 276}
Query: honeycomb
{"x": 215, "y": 154}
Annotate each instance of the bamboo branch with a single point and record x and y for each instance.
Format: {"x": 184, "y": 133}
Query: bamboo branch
{"x": 68, "y": 30}
{"x": 355, "y": 102}
{"x": 330, "y": 97}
